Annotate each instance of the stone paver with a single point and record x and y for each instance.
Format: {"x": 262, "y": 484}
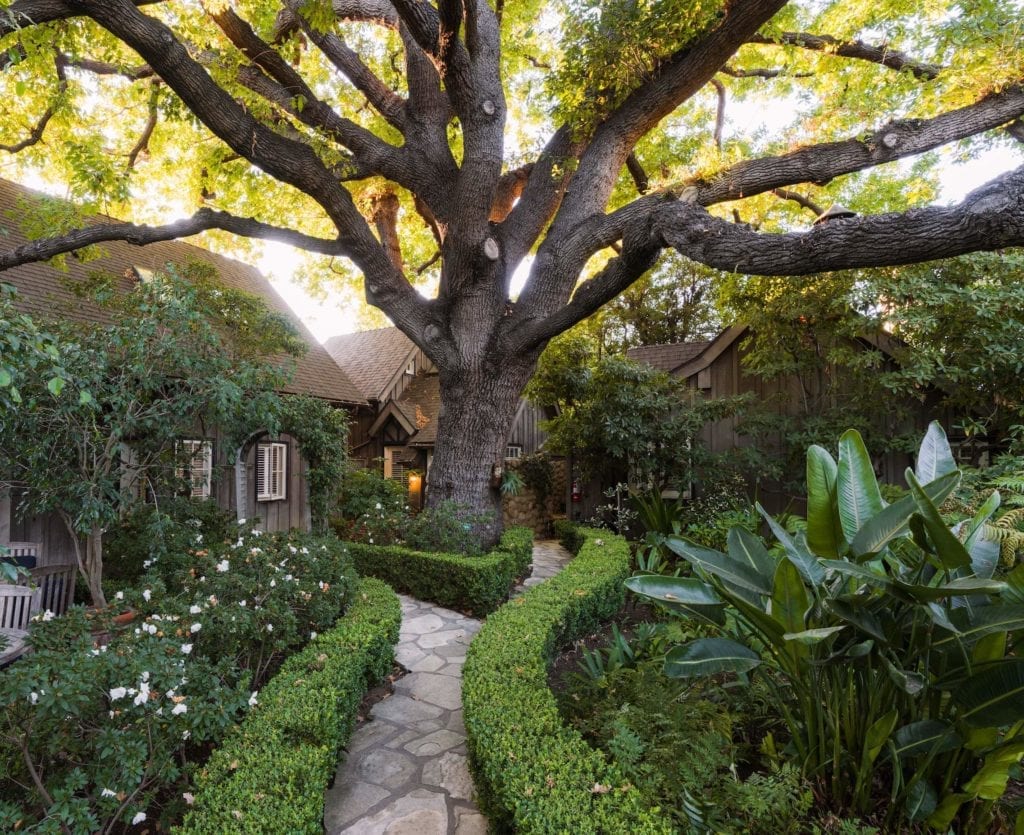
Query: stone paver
{"x": 406, "y": 769}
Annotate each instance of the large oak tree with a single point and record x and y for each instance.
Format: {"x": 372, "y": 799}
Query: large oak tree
{"x": 580, "y": 138}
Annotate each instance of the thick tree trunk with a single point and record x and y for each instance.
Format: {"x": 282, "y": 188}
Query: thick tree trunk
{"x": 94, "y": 566}
{"x": 478, "y": 407}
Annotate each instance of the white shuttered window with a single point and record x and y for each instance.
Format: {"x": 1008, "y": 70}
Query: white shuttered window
{"x": 199, "y": 466}
{"x": 271, "y": 472}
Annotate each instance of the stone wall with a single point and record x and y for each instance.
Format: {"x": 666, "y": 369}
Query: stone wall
{"x": 525, "y": 510}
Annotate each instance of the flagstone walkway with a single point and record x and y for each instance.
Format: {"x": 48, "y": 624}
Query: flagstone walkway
{"x": 405, "y": 772}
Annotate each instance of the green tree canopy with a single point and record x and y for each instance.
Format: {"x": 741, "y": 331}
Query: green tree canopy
{"x": 453, "y": 143}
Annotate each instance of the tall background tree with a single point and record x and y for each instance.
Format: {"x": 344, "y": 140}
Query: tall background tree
{"x": 461, "y": 142}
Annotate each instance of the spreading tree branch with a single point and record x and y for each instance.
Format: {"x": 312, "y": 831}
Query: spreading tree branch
{"x": 891, "y": 58}
{"x": 719, "y": 112}
{"x": 141, "y": 235}
{"x": 147, "y": 132}
{"x": 799, "y": 199}
{"x": 35, "y": 135}
{"x": 385, "y": 218}
{"x": 636, "y": 171}
{"x": 822, "y": 163}
{"x": 990, "y": 217}
{"x": 24, "y": 13}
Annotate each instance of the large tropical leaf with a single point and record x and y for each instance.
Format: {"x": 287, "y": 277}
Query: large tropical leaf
{"x": 860, "y": 572}
{"x": 934, "y": 458}
{"x": 893, "y": 520}
{"x": 994, "y": 696}
{"x": 719, "y": 564}
{"x": 974, "y": 624}
{"x": 989, "y": 783}
{"x": 1015, "y": 585}
{"x": 685, "y": 595}
{"x": 708, "y": 656}
{"x": 929, "y": 736}
{"x": 824, "y": 528}
{"x": 921, "y": 800}
{"x": 859, "y": 496}
{"x": 748, "y": 548}
{"x": 877, "y": 735}
{"x": 789, "y": 598}
{"x": 814, "y": 636}
{"x": 948, "y": 548}
{"x": 954, "y": 588}
{"x": 984, "y": 552}
{"x": 859, "y": 617}
{"x": 796, "y": 551}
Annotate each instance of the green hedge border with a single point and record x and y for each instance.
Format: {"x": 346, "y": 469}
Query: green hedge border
{"x": 271, "y": 773}
{"x": 534, "y": 773}
{"x": 473, "y": 584}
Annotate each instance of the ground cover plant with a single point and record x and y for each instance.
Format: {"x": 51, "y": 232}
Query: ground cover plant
{"x": 884, "y": 637}
{"x": 95, "y": 738}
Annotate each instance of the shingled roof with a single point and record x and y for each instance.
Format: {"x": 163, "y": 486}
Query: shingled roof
{"x": 421, "y": 401}
{"x": 41, "y": 291}
{"x": 371, "y": 358}
{"x": 667, "y": 357}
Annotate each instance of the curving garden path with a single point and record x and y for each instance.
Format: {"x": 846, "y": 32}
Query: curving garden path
{"x": 406, "y": 771}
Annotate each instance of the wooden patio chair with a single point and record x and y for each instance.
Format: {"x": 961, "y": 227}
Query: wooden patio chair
{"x": 15, "y": 611}
{"x": 54, "y": 588}
{"x": 24, "y": 554}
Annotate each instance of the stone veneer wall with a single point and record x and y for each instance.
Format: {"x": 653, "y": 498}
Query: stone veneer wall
{"x": 526, "y": 511}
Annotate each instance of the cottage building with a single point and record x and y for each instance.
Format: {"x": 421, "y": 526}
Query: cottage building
{"x": 401, "y": 384}
{"x": 714, "y": 369}
{"x": 263, "y": 481}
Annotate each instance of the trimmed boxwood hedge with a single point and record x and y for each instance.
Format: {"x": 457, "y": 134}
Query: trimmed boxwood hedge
{"x": 534, "y": 773}
{"x": 271, "y": 772}
{"x": 473, "y": 584}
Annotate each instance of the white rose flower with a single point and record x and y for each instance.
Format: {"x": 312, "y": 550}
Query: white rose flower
{"x": 119, "y": 596}
{"x": 223, "y": 566}
{"x": 33, "y": 698}
{"x": 108, "y": 793}
{"x": 195, "y": 610}
{"x": 139, "y": 818}
{"x": 179, "y": 709}
{"x": 270, "y": 627}
{"x": 147, "y": 594}
{"x": 186, "y": 649}
{"x": 195, "y": 627}
{"x": 253, "y": 701}
{"x": 118, "y": 693}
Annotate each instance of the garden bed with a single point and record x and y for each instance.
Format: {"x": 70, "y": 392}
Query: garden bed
{"x": 533, "y": 772}
{"x": 270, "y": 774}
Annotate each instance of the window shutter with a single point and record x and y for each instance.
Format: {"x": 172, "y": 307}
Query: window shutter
{"x": 280, "y": 452}
{"x": 262, "y": 460}
{"x": 271, "y": 472}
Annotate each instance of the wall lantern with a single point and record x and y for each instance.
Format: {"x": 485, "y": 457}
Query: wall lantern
{"x": 416, "y": 490}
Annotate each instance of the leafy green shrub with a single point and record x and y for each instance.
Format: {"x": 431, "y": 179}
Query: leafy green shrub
{"x": 249, "y": 601}
{"x": 164, "y": 532}
{"x": 888, "y": 641}
{"x": 445, "y": 528}
{"x": 271, "y": 772}
{"x": 369, "y": 508}
{"x": 531, "y": 770}
{"x": 474, "y": 584}
{"x": 674, "y": 740}
{"x": 538, "y": 475}
{"x": 212, "y": 622}
{"x": 94, "y": 737}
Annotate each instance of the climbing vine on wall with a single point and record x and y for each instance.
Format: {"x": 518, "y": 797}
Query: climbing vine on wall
{"x": 322, "y": 433}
